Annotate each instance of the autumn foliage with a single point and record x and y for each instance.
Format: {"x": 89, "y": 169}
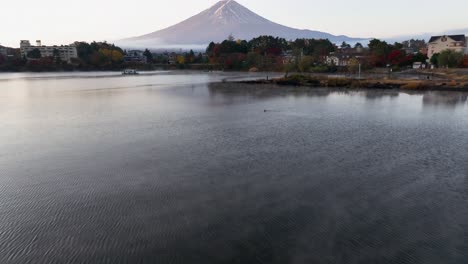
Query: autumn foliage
{"x": 383, "y": 54}
{"x": 99, "y": 55}
{"x": 112, "y": 54}
{"x": 465, "y": 61}
{"x": 267, "y": 53}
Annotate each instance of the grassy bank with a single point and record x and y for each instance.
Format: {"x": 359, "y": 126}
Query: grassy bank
{"x": 352, "y": 83}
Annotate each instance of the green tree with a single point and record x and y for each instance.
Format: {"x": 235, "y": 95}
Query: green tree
{"x": 397, "y": 46}
{"x": 99, "y": 54}
{"x": 379, "y": 48}
{"x": 450, "y": 59}
{"x": 56, "y": 55}
{"x": 306, "y": 63}
{"x": 148, "y": 55}
{"x": 345, "y": 45}
{"x": 353, "y": 65}
{"x": 419, "y": 57}
{"x": 435, "y": 59}
{"x": 85, "y": 51}
{"x": 268, "y": 45}
{"x": 210, "y": 48}
{"x": 199, "y": 58}
{"x": 253, "y": 59}
{"x": 190, "y": 57}
{"x": 415, "y": 44}
{"x": 313, "y": 47}
{"x": 230, "y": 46}
{"x": 34, "y": 54}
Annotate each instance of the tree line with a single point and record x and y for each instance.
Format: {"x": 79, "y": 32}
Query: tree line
{"x": 309, "y": 55}
{"x": 264, "y": 53}
{"x": 91, "y": 56}
{"x": 267, "y": 52}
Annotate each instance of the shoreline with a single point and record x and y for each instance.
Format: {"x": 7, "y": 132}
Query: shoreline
{"x": 368, "y": 83}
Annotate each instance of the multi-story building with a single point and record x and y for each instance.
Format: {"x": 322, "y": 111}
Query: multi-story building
{"x": 3, "y": 51}
{"x": 65, "y": 52}
{"x": 457, "y": 43}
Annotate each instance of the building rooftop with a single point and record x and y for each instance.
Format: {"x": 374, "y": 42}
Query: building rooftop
{"x": 454, "y": 37}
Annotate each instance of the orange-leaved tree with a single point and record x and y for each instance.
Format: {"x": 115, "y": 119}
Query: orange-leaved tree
{"x": 465, "y": 61}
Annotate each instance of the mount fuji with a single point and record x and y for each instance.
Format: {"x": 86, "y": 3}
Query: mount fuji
{"x": 225, "y": 18}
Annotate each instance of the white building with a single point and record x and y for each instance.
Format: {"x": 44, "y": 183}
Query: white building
{"x": 333, "y": 60}
{"x": 457, "y": 43}
{"x": 343, "y": 59}
{"x": 419, "y": 65}
{"x": 3, "y": 51}
{"x": 66, "y": 53}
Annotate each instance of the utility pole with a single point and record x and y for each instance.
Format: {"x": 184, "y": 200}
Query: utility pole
{"x": 359, "y": 71}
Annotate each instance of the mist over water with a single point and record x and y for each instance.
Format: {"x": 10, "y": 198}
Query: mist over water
{"x": 179, "y": 168}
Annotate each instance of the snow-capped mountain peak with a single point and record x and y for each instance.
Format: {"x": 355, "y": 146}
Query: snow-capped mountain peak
{"x": 224, "y": 4}
{"x": 216, "y": 23}
{"x": 229, "y": 11}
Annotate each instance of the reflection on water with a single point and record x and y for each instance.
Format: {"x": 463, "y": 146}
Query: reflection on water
{"x": 178, "y": 168}
{"x": 231, "y": 90}
{"x": 448, "y": 99}
{"x": 268, "y": 91}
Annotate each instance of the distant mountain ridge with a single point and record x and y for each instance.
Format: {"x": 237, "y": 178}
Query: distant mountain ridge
{"x": 426, "y": 36}
{"x": 221, "y": 20}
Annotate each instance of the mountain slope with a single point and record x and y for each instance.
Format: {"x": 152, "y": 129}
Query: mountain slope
{"x": 216, "y": 23}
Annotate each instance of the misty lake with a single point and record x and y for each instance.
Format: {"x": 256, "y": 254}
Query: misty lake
{"x": 177, "y": 167}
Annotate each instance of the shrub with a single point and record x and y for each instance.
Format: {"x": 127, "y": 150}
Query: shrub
{"x": 339, "y": 82}
{"x": 321, "y": 69}
{"x": 416, "y": 85}
{"x": 297, "y": 79}
{"x": 450, "y": 59}
{"x": 411, "y": 86}
{"x": 465, "y": 61}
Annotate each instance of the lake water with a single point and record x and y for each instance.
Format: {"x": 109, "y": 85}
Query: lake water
{"x": 177, "y": 168}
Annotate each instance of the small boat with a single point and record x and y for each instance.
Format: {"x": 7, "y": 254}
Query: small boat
{"x": 130, "y": 72}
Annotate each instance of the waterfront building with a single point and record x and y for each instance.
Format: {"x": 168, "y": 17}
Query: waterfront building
{"x": 457, "y": 43}
{"x": 65, "y": 52}
{"x": 3, "y": 51}
{"x": 135, "y": 56}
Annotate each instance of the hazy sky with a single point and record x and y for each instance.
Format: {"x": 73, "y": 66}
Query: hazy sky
{"x": 62, "y": 22}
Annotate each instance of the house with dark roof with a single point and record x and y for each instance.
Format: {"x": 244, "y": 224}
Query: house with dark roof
{"x": 343, "y": 57}
{"x": 437, "y": 44}
{"x": 135, "y": 56}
